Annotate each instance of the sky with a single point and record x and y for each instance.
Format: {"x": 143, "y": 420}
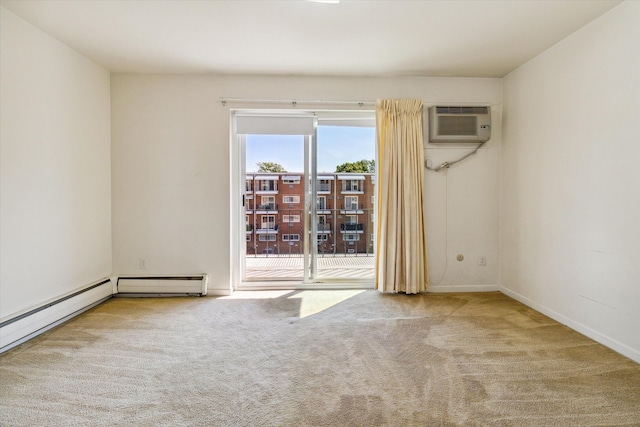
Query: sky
{"x": 336, "y": 145}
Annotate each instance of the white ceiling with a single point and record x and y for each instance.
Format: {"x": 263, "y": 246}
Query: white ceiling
{"x": 353, "y": 38}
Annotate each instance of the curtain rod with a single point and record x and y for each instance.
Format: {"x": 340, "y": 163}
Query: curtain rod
{"x": 294, "y": 102}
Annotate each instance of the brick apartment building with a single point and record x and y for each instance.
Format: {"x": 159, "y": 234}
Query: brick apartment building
{"x": 275, "y": 213}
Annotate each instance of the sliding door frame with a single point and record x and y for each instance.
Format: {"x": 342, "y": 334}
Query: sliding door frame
{"x": 310, "y": 278}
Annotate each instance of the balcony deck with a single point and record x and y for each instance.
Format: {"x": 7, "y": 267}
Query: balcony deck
{"x": 340, "y": 266}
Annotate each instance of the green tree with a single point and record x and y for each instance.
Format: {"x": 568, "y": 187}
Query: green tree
{"x": 269, "y": 167}
{"x": 361, "y": 166}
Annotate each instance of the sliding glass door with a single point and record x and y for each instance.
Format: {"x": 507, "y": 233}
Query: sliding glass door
{"x": 308, "y": 198}
{"x": 275, "y": 193}
{"x": 344, "y": 197}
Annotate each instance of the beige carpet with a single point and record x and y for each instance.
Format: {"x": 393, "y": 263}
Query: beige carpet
{"x": 325, "y": 358}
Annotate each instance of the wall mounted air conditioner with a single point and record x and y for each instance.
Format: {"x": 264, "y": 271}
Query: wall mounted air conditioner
{"x": 459, "y": 124}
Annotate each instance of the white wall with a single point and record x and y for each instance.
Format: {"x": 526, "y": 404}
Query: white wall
{"x": 171, "y": 171}
{"x": 55, "y": 212}
{"x": 570, "y": 211}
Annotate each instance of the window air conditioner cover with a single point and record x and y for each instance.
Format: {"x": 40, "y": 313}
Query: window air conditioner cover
{"x": 451, "y": 124}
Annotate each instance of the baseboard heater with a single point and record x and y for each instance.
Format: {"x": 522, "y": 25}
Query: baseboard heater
{"x": 26, "y": 325}
{"x": 162, "y": 285}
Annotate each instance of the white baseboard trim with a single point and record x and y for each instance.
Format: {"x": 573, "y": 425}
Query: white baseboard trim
{"x": 617, "y": 346}
{"x": 26, "y": 325}
{"x": 218, "y": 292}
{"x": 465, "y": 288}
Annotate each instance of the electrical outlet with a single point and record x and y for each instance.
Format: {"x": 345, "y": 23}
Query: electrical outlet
{"x": 482, "y": 260}
{"x": 142, "y": 263}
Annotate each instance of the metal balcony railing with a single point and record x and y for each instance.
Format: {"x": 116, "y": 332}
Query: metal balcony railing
{"x": 269, "y": 187}
{"x": 352, "y": 227}
{"x": 352, "y": 206}
{"x": 344, "y": 231}
{"x": 268, "y": 207}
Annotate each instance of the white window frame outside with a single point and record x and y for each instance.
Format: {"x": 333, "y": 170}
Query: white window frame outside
{"x": 324, "y": 184}
{"x": 270, "y": 200}
{"x": 265, "y": 219}
{"x": 268, "y": 185}
{"x": 290, "y": 199}
{"x": 348, "y": 202}
{"x": 321, "y": 202}
{"x": 351, "y": 185}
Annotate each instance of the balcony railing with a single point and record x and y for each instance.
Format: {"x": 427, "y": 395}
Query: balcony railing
{"x": 268, "y": 207}
{"x": 267, "y": 229}
{"x": 353, "y": 209}
{"x": 339, "y": 234}
{"x": 352, "y": 206}
{"x": 323, "y": 227}
{"x": 271, "y": 187}
{"x": 352, "y": 227}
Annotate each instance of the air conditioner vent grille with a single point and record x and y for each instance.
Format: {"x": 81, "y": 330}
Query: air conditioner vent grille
{"x": 457, "y": 126}
{"x": 462, "y": 110}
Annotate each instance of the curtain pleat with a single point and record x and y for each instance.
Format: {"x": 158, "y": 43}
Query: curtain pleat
{"x": 401, "y": 249}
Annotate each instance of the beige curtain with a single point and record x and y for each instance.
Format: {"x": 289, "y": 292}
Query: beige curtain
{"x": 401, "y": 249}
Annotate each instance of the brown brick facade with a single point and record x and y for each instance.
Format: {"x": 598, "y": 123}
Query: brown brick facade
{"x": 275, "y": 213}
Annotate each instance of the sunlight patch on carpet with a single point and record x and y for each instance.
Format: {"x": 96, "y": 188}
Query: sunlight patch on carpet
{"x": 313, "y": 302}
